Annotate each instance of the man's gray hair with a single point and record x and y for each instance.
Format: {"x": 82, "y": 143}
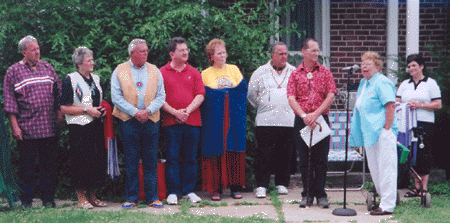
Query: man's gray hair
{"x": 79, "y": 54}
{"x": 24, "y": 41}
{"x": 274, "y": 46}
{"x": 134, "y": 43}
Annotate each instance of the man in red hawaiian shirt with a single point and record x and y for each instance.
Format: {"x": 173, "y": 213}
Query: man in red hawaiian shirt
{"x": 310, "y": 92}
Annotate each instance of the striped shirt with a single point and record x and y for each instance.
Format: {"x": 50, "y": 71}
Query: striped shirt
{"x": 33, "y": 96}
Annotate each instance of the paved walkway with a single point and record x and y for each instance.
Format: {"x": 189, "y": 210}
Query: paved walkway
{"x": 291, "y": 211}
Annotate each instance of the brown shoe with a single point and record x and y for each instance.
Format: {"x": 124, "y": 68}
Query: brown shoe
{"x": 379, "y": 211}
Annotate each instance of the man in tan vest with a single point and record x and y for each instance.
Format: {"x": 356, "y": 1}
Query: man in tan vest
{"x": 137, "y": 92}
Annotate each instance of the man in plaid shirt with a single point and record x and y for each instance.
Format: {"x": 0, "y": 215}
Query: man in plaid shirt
{"x": 31, "y": 92}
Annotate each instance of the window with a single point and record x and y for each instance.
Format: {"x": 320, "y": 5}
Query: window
{"x": 312, "y": 19}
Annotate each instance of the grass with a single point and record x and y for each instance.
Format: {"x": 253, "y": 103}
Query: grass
{"x": 276, "y": 202}
{"x": 411, "y": 211}
{"x": 75, "y": 216}
{"x": 212, "y": 204}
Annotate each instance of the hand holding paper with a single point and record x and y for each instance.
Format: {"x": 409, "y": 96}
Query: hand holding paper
{"x": 318, "y": 135}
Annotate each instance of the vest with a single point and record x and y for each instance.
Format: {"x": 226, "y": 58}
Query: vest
{"x": 82, "y": 97}
{"x": 131, "y": 94}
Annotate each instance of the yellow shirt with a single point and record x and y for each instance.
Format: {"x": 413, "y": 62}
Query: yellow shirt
{"x": 222, "y": 78}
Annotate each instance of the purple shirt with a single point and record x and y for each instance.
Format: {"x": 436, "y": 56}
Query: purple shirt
{"x": 33, "y": 96}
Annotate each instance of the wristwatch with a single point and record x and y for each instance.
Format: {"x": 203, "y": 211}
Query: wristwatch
{"x": 84, "y": 110}
{"x": 304, "y": 115}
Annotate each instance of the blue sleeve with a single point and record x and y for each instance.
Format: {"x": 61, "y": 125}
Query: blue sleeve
{"x": 160, "y": 97}
{"x": 386, "y": 91}
{"x": 67, "y": 92}
{"x": 117, "y": 96}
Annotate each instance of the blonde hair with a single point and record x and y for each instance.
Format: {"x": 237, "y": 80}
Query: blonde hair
{"x": 375, "y": 57}
{"x": 211, "y": 47}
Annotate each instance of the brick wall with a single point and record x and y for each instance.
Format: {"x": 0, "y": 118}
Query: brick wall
{"x": 357, "y": 27}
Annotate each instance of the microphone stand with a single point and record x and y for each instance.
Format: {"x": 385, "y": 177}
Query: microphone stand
{"x": 346, "y": 211}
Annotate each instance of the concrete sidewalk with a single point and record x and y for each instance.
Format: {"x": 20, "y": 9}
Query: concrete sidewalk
{"x": 292, "y": 213}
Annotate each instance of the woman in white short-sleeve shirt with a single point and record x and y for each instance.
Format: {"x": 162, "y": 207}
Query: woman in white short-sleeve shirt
{"x": 422, "y": 93}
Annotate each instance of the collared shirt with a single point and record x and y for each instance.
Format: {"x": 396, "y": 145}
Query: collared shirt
{"x": 181, "y": 89}
{"x": 370, "y": 116}
{"x": 267, "y": 93}
{"x": 33, "y": 95}
{"x": 311, "y": 92}
{"x": 425, "y": 91}
{"x": 139, "y": 75}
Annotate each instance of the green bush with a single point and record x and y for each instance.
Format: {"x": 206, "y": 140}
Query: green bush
{"x": 106, "y": 27}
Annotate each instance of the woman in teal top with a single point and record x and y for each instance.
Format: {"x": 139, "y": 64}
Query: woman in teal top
{"x": 375, "y": 127}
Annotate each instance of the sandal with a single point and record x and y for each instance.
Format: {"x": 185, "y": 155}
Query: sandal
{"x": 216, "y": 197}
{"x": 128, "y": 205}
{"x": 412, "y": 193}
{"x": 98, "y": 203}
{"x": 156, "y": 204}
{"x": 236, "y": 195}
{"x": 84, "y": 205}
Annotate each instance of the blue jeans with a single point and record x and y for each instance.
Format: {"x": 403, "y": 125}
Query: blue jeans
{"x": 140, "y": 138}
{"x": 319, "y": 161}
{"x": 181, "y": 165}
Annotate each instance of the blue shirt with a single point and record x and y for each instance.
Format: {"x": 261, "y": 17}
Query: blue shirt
{"x": 139, "y": 75}
{"x": 368, "y": 121}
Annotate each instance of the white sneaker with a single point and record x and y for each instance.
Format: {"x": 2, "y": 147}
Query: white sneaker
{"x": 260, "y": 192}
{"x": 282, "y": 189}
{"x": 172, "y": 199}
{"x": 192, "y": 197}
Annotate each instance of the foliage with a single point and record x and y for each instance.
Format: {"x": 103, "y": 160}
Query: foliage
{"x": 106, "y": 27}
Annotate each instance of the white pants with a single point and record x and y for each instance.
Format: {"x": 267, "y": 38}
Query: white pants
{"x": 382, "y": 160}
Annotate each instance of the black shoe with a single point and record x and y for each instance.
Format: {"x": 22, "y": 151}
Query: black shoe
{"x": 323, "y": 202}
{"x": 49, "y": 204}
{"x": 379, "y": 211}
{"x": 306, "y": 202}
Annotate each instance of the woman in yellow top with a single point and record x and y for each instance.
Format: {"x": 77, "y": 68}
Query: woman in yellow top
{"x": 223, "y": 124}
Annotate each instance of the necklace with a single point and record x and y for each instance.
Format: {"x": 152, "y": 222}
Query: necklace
{"x": 279, "y": 84}
{"x": 90, "y": 82}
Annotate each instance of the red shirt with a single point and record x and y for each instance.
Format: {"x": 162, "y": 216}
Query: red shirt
{"x": 310, "y": 93}
{"x": 181, "y": 89}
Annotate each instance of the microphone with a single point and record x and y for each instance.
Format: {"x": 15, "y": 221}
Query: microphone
{"x": 354, "y": 67}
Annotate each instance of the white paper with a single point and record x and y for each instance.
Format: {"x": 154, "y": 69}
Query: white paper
{"x": 318, "y": 135}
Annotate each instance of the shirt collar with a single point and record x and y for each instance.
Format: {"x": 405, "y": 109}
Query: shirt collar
{"x": 171, "y": 68}
{"x": 424, "y": 80}
{"x": 133, "y": 66}
{"x": 302, "y": 66}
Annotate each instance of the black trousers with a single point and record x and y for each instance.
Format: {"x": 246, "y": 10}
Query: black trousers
{"x": 45, "y": 151}
{"x": 274, "y": 154}
{"x": 319, "y": 161}
{"x": 88, "y": 155}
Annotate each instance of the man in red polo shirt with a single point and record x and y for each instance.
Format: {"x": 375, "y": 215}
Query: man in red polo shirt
{"x": 310, "y": 92}
{"x": 181, "y": 122}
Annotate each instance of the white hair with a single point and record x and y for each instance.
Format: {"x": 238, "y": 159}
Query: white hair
{"x": 134, "y": 43}
{"x": 24, "y": 41}
{"x": 79, "y": 54}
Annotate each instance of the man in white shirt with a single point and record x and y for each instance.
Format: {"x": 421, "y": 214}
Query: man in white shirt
{"x": 274, "y": 121}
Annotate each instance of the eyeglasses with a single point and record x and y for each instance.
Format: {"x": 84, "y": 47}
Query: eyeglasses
{"x": 187, "y": 50}
{"x": 367, "y": 63}
{"x": 314, "y": 51}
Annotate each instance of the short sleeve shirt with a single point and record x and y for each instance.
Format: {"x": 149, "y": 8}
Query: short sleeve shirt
{"x": 213, "y": 77}
{"x": 181, "y": 89}
{"x": 311, "y": 92}
{"x": 425, "y": 91}
{"x": 370, "y": 118}
{"x": 33, "y": 96}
